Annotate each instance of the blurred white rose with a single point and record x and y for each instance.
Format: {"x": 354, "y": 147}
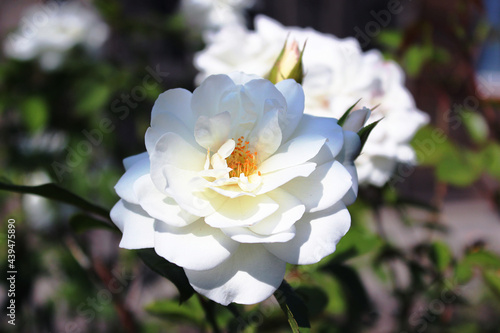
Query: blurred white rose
{"x": 48, "y": 31}
{"x": 210, "y": 15}
{"x": 337, "y": 74}
{"x": 236, "y": 182}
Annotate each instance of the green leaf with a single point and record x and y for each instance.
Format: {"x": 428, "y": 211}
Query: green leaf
{"x": 364, "y": 133}
{"x": 476, "y": 126}
{"x": 483, "y": 259}
{"x": 491, "y": 159}
{"x": 293, "y": 307}
{"x": 441, "y": 255}
{"x": 415, "y": 58}
{"x": 35, "y": 113}
{"x": 81, "y": 223}
{"x": 459, "y": 168}
{"x": 190, "y": 312}
{"x": 315, "y": 298}
{"x": 430, "y": 145}
{"x": 390, "y": 38}
{"x": 54, "y": 192}
{"x": 93, "y": 97}
{"x": 492, "y": 279}
{"x": 342, "y": 119}
{"x": 358, "y": 302}
{"x": 463, "y": 272}
{"x": 168, "y": 270}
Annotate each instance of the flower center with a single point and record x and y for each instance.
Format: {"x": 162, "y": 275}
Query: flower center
{"x": 242, "y": 160}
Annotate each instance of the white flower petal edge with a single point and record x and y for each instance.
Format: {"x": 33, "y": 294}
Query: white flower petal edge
{"x": 250, "y": 276}
{"x": 235, "y": 183}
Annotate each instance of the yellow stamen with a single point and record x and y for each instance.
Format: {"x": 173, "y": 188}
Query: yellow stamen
{"x": 242, "y": 160}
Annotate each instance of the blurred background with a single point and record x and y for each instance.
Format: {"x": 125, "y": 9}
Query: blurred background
{"x": 423, "y": 251}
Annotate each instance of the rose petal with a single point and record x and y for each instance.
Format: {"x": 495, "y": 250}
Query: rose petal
{"x": 171, "y": 149}
{"x": 349, "y": 152}
{"x": 294, "y": 152}
{"x": 131, "y": 160}
{"x": 160, "y": 206}
{"x": 190, "y": 191}
{"x": 294, "y": 96}
{"x": 325, "y": 127}
{"x": 266, "y": 136}
{"x": 176, "y": 102}
{"x": 316, "y": 236}
{"x": 245, "y": 235}
{"x": 196, "y": 246}
{"x": 249, "y": 276}
{"x": 212, "y": 132}
{"x": 135, "y": 224}
{"x": 275, "y": 179}
{"x": 290, "y": 210}
{"x": 207, "y": 97}
{"x": 165, "y": 123}
{"x": 324, "y": 187}
{"x": 125, "y": 186}
{"x": 242, "y": 211}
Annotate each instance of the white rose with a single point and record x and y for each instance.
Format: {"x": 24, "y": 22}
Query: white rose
{"x": 337, "y": 74}
{"x": 49, "y": 31}
{"x": 210, "y": 15}
{"x": 235, "y": 183}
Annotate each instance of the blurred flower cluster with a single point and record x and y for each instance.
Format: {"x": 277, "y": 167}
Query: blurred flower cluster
{"x": 48, "y": 31}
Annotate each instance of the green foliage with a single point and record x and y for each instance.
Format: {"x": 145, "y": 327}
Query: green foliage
{"x": 190, "y": 311}
{"x": 293, "y": 307}
{"x": 476, "y": 126}
{"x": 35, "y": 113}
{"x": 364, "y": 133}
{"x": 441, "y": 255}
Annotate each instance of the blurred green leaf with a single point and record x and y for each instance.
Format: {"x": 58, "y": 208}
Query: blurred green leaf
{"x": 390, "y": 38}
{"x": 459, "y": 168}
{"x": 172, "y": 272}
{"x": 35, "y": 113}
{"x": 54, "y": 192}
{"x": 81, "y": 223}
{"x": 354, "y": 290}
{"x": 430, "y": 145}
{"x": 171, "y": 310}
{"x": 491, "y": 159}
{"x": 415, "y": 57}
{"x": 294, "y": 308}
{"x": 93, "y": 98}
{"x": 441, "y": 255}
{"x": 492, "y": 279}
{"x": 476, "y": 126}
{"x": 314, "y": 297}
{"x": 482, "y": 259}
{"x": 463, "y": 272}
